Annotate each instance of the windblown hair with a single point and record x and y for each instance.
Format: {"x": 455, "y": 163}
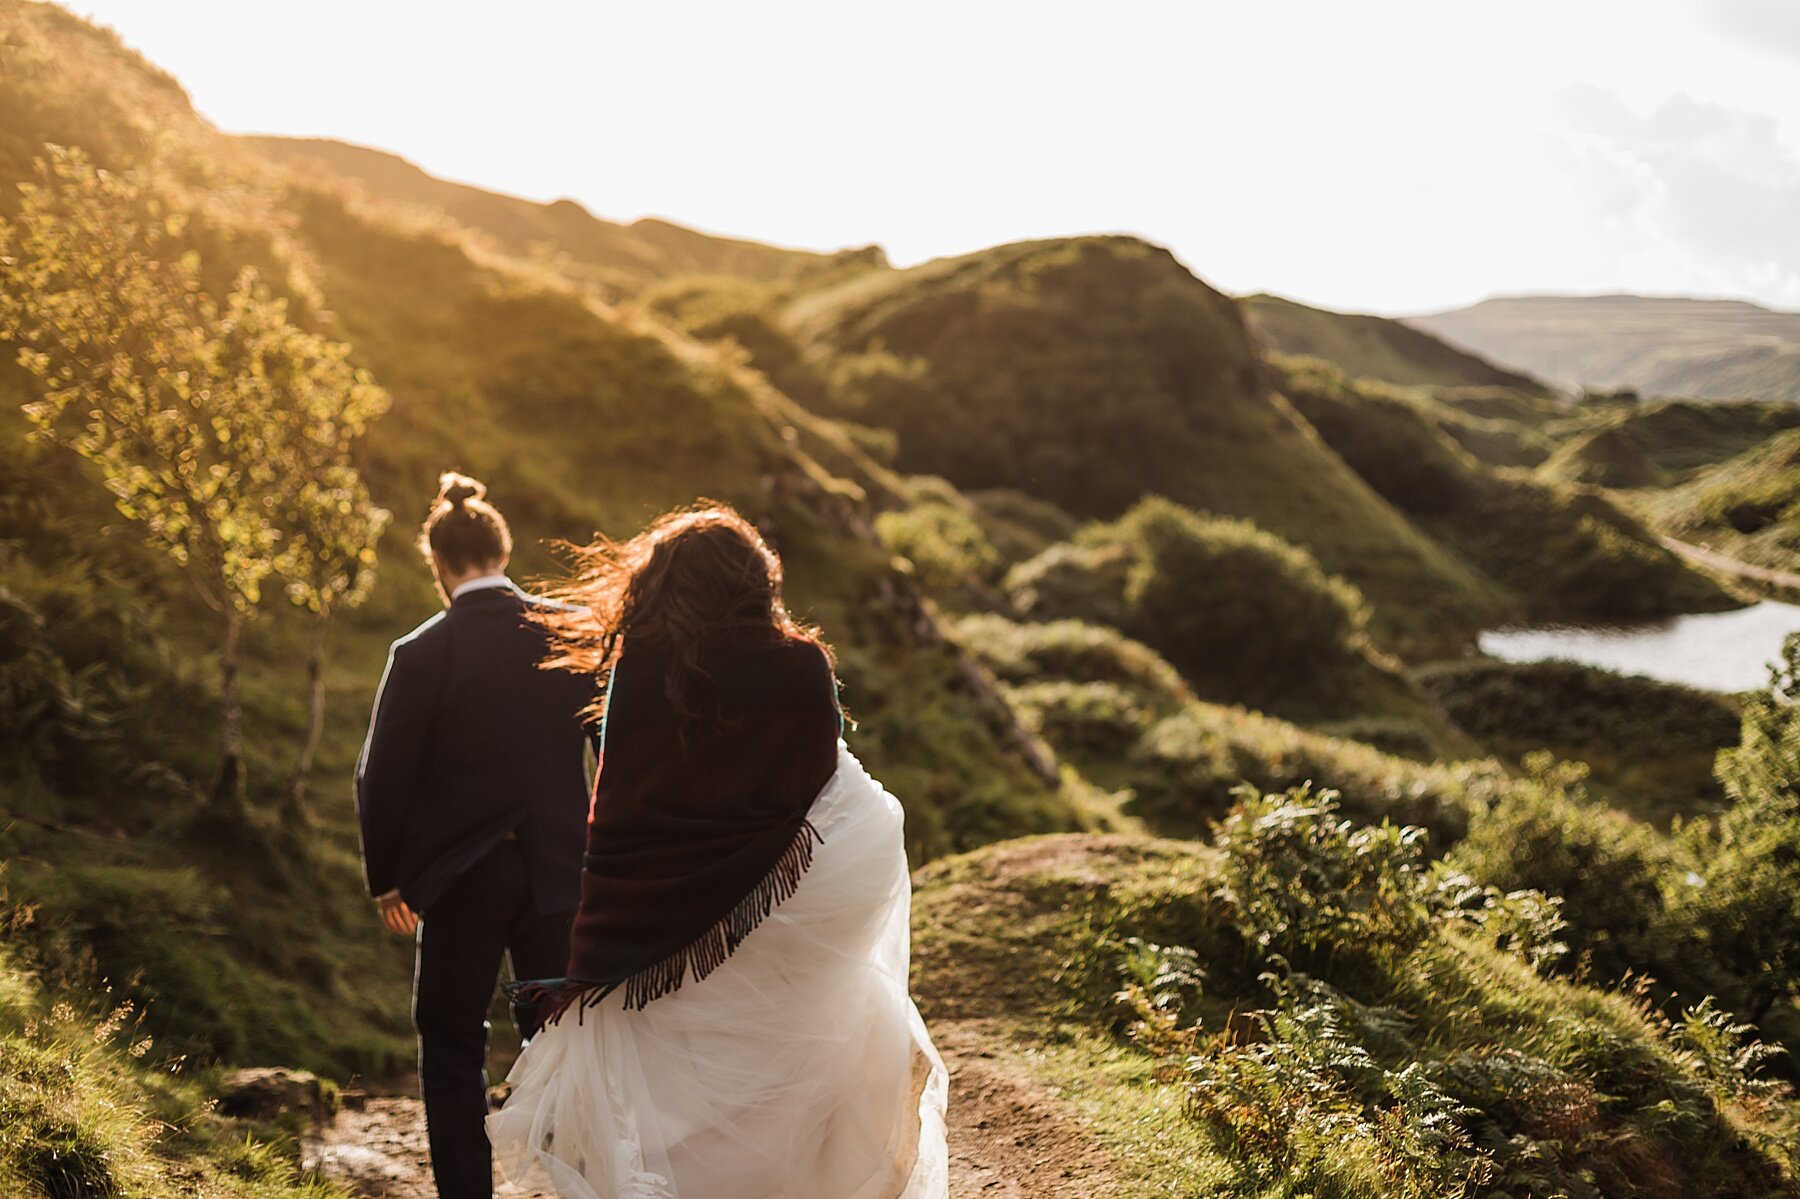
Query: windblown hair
{"x": 463, "y": 529}
{"x": 696, "y": 578}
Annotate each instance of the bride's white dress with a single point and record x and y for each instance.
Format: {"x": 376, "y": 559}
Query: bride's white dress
{"x": 799, "y": 1069}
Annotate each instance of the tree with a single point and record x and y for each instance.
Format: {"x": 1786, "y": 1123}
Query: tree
{"x": 107, "y": 306}
{"x": 319, "y": 406}
{"x": 225, "y": 430}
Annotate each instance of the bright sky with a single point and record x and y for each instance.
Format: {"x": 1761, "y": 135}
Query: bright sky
{"x": 1385, "y": 155}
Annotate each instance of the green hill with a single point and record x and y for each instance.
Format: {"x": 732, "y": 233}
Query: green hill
{"x": 1094, "y": 371}
{"x": 1606, "y": 457}
{"x": 616, "y": 259}
{"x": 1710, "y": 349}
{"x": 1747, "y": 507}
{"x": 1684, "y": 436}
{"x": 1557, "y": 552}
{"x": 1373, "y": 346}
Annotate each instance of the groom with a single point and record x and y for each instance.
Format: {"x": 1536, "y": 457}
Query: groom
{"x": 473, "y": 795}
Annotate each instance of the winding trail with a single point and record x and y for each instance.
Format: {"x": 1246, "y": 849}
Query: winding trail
{"x": 1009, "y": 1138}
{"x": 1713, "y": 560}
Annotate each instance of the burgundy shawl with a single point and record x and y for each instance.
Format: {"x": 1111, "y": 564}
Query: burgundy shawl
{"x": 699, "y": 825}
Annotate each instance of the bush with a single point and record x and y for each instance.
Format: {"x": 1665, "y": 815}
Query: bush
{"x": 1100, "y": 718}
{"x": 1566, "y": 703}
{"x": 1546, "y": 835}
{"x": 1239, "y": 612}
{"x": 1224, "y": 600}
{"x": 1073, "y": 651}
{"x": 943, "y": 542}
{"x": 1186, "y": 768}
{"x": 1071, "y": 582}
{"x": 1741, "y": 900}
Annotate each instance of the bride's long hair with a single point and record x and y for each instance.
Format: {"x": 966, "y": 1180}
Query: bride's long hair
{"x": 697, "y": 577}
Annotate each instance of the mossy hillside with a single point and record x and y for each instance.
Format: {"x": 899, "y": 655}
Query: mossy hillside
{"x": 1685, "y": 436}
{"x": 1245, "y": 616}
{"x": 1747, "y": 507}
{"x": 1374, "y": 347}
{"x": 1605, "y": 457}
{"x": 1094, "y": 371}
{"x": 613, "y": 259}
{"x": 91, "y": 1107}
{"x": 1040, "y": 936}
{"x": 1556, "y": 551}
{"x": 1650, "y": 745}
{"x": 1127, "y": 719}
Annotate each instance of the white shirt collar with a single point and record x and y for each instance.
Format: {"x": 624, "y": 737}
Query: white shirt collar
{"x": 481, "y": 584}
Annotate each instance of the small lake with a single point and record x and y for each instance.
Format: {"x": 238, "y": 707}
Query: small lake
{"x": 1720, "y": 651}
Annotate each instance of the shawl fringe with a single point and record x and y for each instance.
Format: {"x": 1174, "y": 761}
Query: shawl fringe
{"x": 700, "y": 957}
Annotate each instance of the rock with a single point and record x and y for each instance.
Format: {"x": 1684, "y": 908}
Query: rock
{"x": 267, "y": 1093}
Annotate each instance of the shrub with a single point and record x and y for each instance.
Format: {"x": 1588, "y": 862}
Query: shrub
{"x": 1186, "y": 768}
{"x": 1741, "y": 898}
{"x": 1074, "y": 651}
{"x": 1545, "y": 834}
{"x": 1071, "y": 582}
{"x": 1225, "y": 601}
{"x": 943, "y": 542}
{"x": 1566, "y": 703}
{"x": 1100, "y": 718}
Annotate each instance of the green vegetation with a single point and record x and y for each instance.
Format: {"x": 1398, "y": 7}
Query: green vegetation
{"x": 1373, "y": 347}
{"x": 1092, "y": 372}
{"x": 1650, "y": 746}
{"x": 1337, "y": 1015}
{"x": 1118, "y": 711}
{"x": 1555, "y": 551}
{"x": 1241, "y": 613}
{"x": 1607, "y": 457}
{"x": 225, "y": 431}
{"x": 91, "y": 1108}
{"x": 1748, "y": 507}
{"x": 1682, "y": 436}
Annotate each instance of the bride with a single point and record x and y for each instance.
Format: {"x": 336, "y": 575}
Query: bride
{"x": 735, "y": 1023}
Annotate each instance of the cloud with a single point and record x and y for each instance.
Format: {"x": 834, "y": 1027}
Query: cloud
{"x": 1772, "y": 25}
{"x": 1710, "y": 191}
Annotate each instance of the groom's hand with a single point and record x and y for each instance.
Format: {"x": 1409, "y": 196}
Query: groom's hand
{"x": 395, "y": 914}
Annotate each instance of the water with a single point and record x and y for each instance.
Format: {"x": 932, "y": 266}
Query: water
{"x": 1720, "y": 651}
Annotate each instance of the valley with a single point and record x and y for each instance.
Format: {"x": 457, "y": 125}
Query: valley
{"x": 1240, "y": 869}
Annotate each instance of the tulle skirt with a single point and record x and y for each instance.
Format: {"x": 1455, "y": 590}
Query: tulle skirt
{"x": 799, "y": 1069}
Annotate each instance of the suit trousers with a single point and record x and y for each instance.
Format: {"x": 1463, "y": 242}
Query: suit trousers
{"x": 485, "y": 915}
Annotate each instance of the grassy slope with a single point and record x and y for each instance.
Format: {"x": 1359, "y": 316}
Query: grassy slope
{"x": 1373, "y": 347}
{"x": 1559, "y": 552}
{"x": 1090, "y": 372}
{"x": 579, "y": 419}
{"x": 616, "y": 258}
{"x": 90, "y": 1108}
{"x": 1032, "y": 936}
{"x": 1712, "y": 349}
{"x": 1747, "y": 507}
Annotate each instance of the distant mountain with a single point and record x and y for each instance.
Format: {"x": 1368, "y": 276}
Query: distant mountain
{"x": 1373, "y": 347}
{"x": 622, "y": 258}
{"x": 1707, "y": 349}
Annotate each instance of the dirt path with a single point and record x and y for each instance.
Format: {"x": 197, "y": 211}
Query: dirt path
{"x": 1009, "y": 1139}
{"x": 1713, "y": 560}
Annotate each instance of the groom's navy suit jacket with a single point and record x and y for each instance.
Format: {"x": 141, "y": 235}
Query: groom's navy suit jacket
{"x": 472, "y": 742}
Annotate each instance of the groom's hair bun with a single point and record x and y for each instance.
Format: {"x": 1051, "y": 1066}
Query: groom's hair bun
{"x": 463, "y": 530}
{"x": 454, "y": 488}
